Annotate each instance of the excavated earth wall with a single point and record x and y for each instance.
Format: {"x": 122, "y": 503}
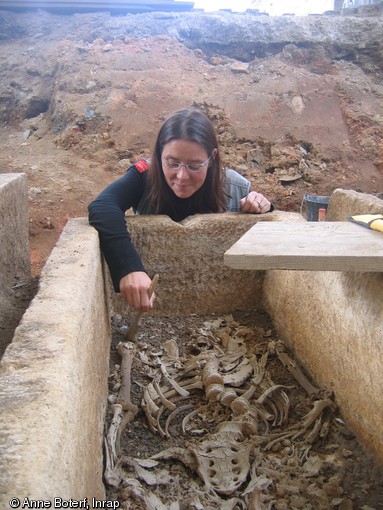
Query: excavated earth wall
{"x": 53, "y": 376}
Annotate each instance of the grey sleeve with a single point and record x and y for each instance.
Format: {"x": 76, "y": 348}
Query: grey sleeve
{"x": 236, "y": 187}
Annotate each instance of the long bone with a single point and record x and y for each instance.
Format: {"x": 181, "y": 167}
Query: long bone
{"x": 113, "y": 430}
{"x": 294, "y": 370}
{"x": 124, "y": 411}
{"x": 126, "y": 351}
{"x": 112, "y": 446}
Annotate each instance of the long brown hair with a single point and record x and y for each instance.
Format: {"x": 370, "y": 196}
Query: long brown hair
{"x": 193, "y": 125}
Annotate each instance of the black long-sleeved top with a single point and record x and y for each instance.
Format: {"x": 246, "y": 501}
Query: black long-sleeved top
{"x": 107, "y": 215}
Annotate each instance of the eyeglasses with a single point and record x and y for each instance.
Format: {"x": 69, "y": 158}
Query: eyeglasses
{"x": 173, "y": 165}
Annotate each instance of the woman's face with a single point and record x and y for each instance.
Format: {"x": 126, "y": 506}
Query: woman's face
{"x": 185, "y": 182}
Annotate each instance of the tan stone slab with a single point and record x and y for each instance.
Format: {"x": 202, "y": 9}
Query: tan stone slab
{"x": 310, "y": 246}
{"x": 188, "y": 256}
{"x": 54, "y": 380}
{"x": 15, "y": 267}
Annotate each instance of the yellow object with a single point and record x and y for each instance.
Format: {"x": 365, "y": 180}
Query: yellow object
{"x": 373, "y": 221}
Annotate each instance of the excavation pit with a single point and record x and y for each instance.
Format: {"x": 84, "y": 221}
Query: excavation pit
{"x": 183, "y": 454}
{"x": 54, "y": 376}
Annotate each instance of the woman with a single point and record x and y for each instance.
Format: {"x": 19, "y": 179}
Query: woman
{"x": 184, "y": 177}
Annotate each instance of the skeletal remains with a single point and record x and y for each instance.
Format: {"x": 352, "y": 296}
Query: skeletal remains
{"x": 230, "y": 384}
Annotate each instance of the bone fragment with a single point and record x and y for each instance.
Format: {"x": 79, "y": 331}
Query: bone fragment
{"x": 239, "y": 406}
{"x": 181, "y": 391}
{"x": 239, "y": 376}
{"x": 169, "y": 405}
{"x": 174, "y": 414}
{"x": 111, "y": 474}
{"x": 224, "y": 336}
{"x": 113, "y": 430}
{"x": 263, "y": 414}
{"x": 151, "y": 420}
{"x": 245, "y": 332}
{"x": 266, "y": 394}
{"x": 112, "y": 399}
{"x": 231, "y": 427}
{"x": 325, "y": 426}
{"x": 184, "y": 455}
{"x": 259, "y": 501}
{"x": 124, "y": 411}
{"x": 192, "y": 384}
{"x": 278, "y": 403}
{"x": 299, "y": 429}
{"x": 210, "y": 373}
{"x": 249, "y": 426}
{"x": 284, "y": 408}
{"x": 227, "y": 396}
{"x": 171, "y": 348}
{"x": 172, "y": 382}
{"x": 145, "y": 474}
{"x": 236, "y": 345}
{"x": 314, "y": 432}
{"x": 295, "y": 371}
{"x": 213, "y": 392}
{"x": 192, "y": 365}
{"x": 230, "y": 362}
{"x": 152, "y": 412}
{"x": 188, "y": 417}
{"x": 258, "y": 488}
{"x": 112, "y": 447}
{"x": 250, "y": 392}
{"x": 223, "y": 468}
{"x": 151, "y": 406}
{"x": 158, "y": 423}
{"x": 317, "y": 409}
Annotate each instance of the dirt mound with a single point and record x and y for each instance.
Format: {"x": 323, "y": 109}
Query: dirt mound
{"x": 82, "y": 96}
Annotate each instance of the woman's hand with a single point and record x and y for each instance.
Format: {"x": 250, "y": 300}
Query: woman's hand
{"x": 134, "y": 289}
{"x": 255, "y": 203}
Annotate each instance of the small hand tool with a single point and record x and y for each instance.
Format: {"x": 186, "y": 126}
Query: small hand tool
{"x": 131, "y": 335}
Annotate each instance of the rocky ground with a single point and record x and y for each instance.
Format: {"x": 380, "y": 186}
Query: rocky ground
{"x": 297, "y": 103}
